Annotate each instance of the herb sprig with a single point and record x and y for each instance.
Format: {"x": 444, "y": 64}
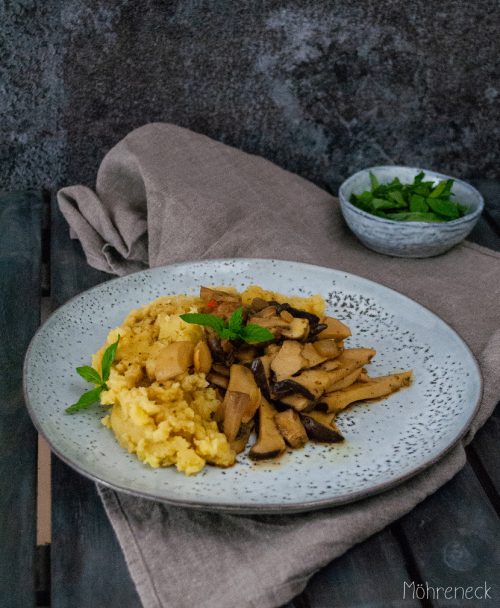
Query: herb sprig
{"x": 232, "y": 329}
{"x": 91, "y": 375}
{"x": 421, "y": 201}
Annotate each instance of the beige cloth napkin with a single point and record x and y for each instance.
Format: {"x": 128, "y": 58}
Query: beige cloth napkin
{"x": 166, "y": 194}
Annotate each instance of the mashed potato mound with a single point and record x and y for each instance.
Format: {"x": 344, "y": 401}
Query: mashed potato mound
{"x": 168, "y": 423}
{"x": 171, "y": 422}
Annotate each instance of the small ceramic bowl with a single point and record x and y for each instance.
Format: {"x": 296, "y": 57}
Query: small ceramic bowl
{"x": 408, "y": 239}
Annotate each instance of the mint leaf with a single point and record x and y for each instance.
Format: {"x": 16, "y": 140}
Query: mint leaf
{"x": 89, "y": 374}
{"x": 236, "y": 320}
{"x": 438, "y": 190}
{"x": 253, "y": 333}
{"x": 374, "y": 181}
{"x": 229, "y": 334}
{"x": 418, "y": 204}
{"x": 108, "y": 358}
{"x": 86, "y": 400}
{"x": 446, "y": 208}
{"x": 208, "y": 320}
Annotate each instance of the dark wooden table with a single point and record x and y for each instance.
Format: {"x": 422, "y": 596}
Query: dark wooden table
{"x": 451, "y": 539}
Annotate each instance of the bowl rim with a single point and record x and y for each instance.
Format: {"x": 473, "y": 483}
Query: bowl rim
{"x": 461, "y": 220}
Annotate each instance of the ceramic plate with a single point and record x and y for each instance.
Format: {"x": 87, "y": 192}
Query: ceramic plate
{"x": 387, "y": 441}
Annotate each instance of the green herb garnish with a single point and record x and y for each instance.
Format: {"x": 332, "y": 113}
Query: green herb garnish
{"x": 233, "y": 329}
{"x": 91, "y": 375}
{"x": 417, "y": 202}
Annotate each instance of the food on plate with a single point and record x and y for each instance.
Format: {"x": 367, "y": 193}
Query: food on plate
{"x": 421, "y": 201}
{"x": 188, "y": 379}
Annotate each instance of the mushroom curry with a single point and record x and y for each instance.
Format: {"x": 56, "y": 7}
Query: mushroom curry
{"x": 194, "y": 376}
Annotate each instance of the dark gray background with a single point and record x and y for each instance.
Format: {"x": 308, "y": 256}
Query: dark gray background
{"x": 322, "y": 88}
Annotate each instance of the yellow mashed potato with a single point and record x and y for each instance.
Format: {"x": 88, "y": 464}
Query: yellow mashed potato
{"x": 171, "y": 422}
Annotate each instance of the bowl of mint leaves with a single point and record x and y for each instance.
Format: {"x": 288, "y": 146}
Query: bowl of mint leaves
{"x": 407, "y": 211}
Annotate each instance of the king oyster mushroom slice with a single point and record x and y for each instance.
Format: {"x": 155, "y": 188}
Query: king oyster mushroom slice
{"x": 292, "y": 429}
{"x": 315, "y": 381}
{"x": 298, "y": 329}
{"x": 234, "y": 406}
{"x": 335, "y": 329}
{"x": 348, "y": 361}
{"x": 321, "y": 427}
{"x": 377, "y": 387}
{"x": 239, "y": 444}
{"x": 174, "y": 359}
{"x": 270, "y": 442}
{"x": 298, "y": 402}
{"x": 288, "y": 361}
{"x": 347, "y": 381}
{"x": 220, "y": 368}
{"x": 242, "y": 380}
{"x": 311, "y": 355}
{"x": 261, "y": 369}
{"x": 219, "y": 380}
{"x": 328, "y": 348}
{"x": 202, "y": 357}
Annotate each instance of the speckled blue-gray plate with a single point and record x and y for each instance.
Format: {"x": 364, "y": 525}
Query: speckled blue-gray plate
{"x": 386, "y": 441}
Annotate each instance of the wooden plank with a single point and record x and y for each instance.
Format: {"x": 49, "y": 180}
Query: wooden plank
{"x": 454, "y": 536}
{"x": 484, "y": 449}
{"x": 20, "y": 270}
{"x": 88, "y": 568}
{"x": 369, "y": 575}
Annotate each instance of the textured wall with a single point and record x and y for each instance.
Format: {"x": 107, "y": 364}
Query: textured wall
{"x": 321, "y": 87}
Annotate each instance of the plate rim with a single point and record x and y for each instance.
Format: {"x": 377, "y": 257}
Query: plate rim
{"x": 242, "y": 507}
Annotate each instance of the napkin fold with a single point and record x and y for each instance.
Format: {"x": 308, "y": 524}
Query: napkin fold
{"x": 165, "y": 194}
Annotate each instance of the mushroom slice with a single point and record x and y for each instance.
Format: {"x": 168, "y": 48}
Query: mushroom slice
{"x": 261, "y": 368}
{"x": 266, "y": 312}
{"x": 220, "y": 368}
{"x": 245, "y": 353}
{"x": 270, "y": 442}
{"x": 202, "y": 357}
{"x": 207, "y": 294}
{"x": 258, "y": 304}
{"x": 349, "y": 360}
{"x": 298, "y": 329}
{"x": 298, "y": 402}
{"x": 234, "y": 406}
{"x": 377, "y": 387}
{"x": 241, "y": 380}
{"x": 315, "y": 381}
{"x": 327, "y": 348}
{"x": 330, "y": 365}
{"x": 174, "y": 359}
{"x": 289, "y": 387}
{"x": 347, "y": 381}
{"x": 321, "y": 427}
{"x": 218, "y": 380}
{"x": 311, "y": 355}
{"x": 363, "y": 376}
{"x": 272, "y": 322}
{"x": 288, "y": 361}
{"x": 272, "y": 349}
{"x": 239, "y": 444}
{"x": 334, "y": 329}
{"x": 292, "y": 429}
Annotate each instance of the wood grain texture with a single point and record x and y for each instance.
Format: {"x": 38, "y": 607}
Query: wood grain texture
{"x": 88, "y": 568}
{"x": 369, "y": 575}
{"x": 20, "y": 264}
{"x": 485, "y": 449}
{"x": 454, "y": 536}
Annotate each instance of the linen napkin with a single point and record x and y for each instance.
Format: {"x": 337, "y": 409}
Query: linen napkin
{"x": 166, "y": 194}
